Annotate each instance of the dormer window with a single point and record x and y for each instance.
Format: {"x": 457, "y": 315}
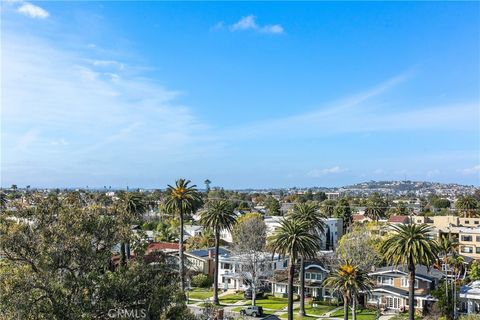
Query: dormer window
{"x": 406, "y": 283}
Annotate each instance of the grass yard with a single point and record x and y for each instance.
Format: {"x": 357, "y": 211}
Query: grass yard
{"x": 271, "y": 302}
{"x": 362, "y": 314}
{"x": 232, "y": 298}
{"x": 318, "y": 310}
{"x": 404, "y": 316}
{"x": 200, "y": 293}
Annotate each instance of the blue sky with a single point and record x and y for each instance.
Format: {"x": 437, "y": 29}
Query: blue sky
{"x": 245, "y": 94}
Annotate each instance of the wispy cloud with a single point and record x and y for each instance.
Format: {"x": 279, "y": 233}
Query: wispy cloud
{"x": 475, "y": 170}
{"x": 360, "y": 113}
{"x": 249, "y": 23}
{"x": 32, "y": 11}
{"x": 322, "y": 172}
{"x": 81, "y": 110}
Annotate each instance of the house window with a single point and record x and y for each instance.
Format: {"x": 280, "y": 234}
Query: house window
{"x": 307, "y": 275}
{"x": 226, "y": 266}
{"x": 405, "y": 283}
{"x": 467, "y": 221}
{"x": 478, "y": 238}
{"x": 385, "y": 280}
{"x": 477, "y": 250}
{"x": 466, "y": 249}
{"x": 285, "y": 263}
{"x": 475, "y": 222}
{"x": 466, "y": 238}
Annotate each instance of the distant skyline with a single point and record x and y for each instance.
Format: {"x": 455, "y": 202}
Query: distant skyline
{"x": 248, "y": 95}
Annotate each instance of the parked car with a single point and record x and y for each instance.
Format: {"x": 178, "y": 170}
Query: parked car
{"x": 253, "y": 311}
{"x": 248, "y": 294}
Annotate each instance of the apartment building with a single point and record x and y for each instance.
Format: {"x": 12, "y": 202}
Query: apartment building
{"x": 469, "y": 242}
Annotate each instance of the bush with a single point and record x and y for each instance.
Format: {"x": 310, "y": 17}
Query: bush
{"x": 202, "y": 281}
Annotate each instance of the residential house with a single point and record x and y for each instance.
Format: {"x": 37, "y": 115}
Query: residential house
{"x": 391, "y": 290}
{"x": 469, "y": 242}
{"x": 395, "y": 220}
{"x": 234, "y": 273}
{"x": 203, "y": 260}
{"x": 329, "y": 238}
{"x": 469, "y": 298}
{"x": 192, "y": 231}
{"x": 315, "y": 274}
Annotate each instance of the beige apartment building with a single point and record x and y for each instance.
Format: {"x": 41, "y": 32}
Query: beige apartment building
{"x": 466, "y": 230}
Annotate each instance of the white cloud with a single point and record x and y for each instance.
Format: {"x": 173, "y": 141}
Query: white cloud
{"x": 67, "y": 113}
{"x": 249, "y": 23}
{"x": 33, "y": 11}
{"x": 322, "y": 172}
{"x": 475, "y": 170}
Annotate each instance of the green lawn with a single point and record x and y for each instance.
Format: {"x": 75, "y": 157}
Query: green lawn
{"x": 200, "y": 293}
{"x": 318, "y": 310}
{"x": 271, "y": 302}
{"x": 231, "y": 298}
{"x": 362, "y": 314}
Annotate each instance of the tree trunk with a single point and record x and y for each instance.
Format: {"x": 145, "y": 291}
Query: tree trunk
{"x": 123, "y": 260}
{"x": 254, "y": 287}
{"x": 354, "y": 308}
{"x": 127, "y": 246}
{"x": 215, "y": 273}
{"x": 302, "y": 287}
{"x": 411, "y": 291}
{"x": 291, "y": 274}
{"x": 181, "y": 262}
{"x": 345, "y": 307}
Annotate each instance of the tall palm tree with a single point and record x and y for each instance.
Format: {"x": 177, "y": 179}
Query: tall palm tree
{"x": 410, "y": 245}
{"x": 131, "y": 207}
{"x": 182, "y": 199}
{"x": 446, "y": 248}
{"x": 349, "y": 280}
{"x": 467, "y": 205}
{"x": 376, "y": 207}
{"x": 293, "y": 239}
{"x": 218, "y": 216}
{"x": 314, "y": 220}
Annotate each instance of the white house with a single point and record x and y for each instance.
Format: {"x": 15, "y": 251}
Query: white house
{"x": 332, "y": 233}
{"x": 234, "y": 270}
{"x": 469, "y": 298}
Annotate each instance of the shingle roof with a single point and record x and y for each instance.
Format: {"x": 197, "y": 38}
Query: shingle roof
{"x": 161, "y": 246}
{"x": 420, "y": 271}
{"x": 398, "y": 219}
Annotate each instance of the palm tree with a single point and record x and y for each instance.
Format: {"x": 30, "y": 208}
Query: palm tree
{"x": 307, "y": 212}
{"x": 131, "y": 207}
{"x": 376, "y": 207}
{"x": 218, "y": 216}
{"x": 447, "y": 248}
{"x": 349, "y": 280}
{"x": 410, "y": 245}
{"x": 207, "y": 185}
{"x": 293, "y": 239}
{"x": 182, "y": 199}
{"x": 467, "y": 205}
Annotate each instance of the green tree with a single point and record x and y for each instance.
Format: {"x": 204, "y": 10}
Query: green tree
{"x": 328, "y": 207}
{"x": 55, "y": 266}
{"x": 342, "y": 210}
{"x": 467, "y": 205}
{"x": 218, "y": 216}
{"x": 293, "y": 239}
{"x": 130, "y": 208}
{"x": 207, "y": 185}
{"x": 349, "y": 280}
{"x": 440, "y": 203}
{"x": 182, "y": 199}
{"x": 273, "y": 206}
{"x": 474, "y": 272}
{"x": 307, "y": 212}
{"x": 376, "y": 207}
{"x": 410, "y": 245}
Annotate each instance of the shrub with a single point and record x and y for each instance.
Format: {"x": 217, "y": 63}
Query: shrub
{"x": 202, "y": 281}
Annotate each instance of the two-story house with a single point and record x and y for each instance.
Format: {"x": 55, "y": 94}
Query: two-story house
{"x": 238, "y": 271}
{"x": 203, "y": 260}
{"x": 391, "y": 290}
{"x": 469, "y": 298}
{"x": 315, "y": 274}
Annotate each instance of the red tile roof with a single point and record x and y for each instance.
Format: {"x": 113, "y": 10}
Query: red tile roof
{"x": 359, "y": 217}
{"x": 398, "y": 219}
{"x": 162, "y": 246}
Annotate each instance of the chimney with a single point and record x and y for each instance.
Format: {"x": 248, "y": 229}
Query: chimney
{"x": 210, "y": 254}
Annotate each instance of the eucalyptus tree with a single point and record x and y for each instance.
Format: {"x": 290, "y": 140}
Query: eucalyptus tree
{"x": 219, "y": 216}
{"x": 294, "y": 239}
{"x": 181, "y": 199}
{"x": 307, "y": 212}
{"x": 410, "y": 245}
